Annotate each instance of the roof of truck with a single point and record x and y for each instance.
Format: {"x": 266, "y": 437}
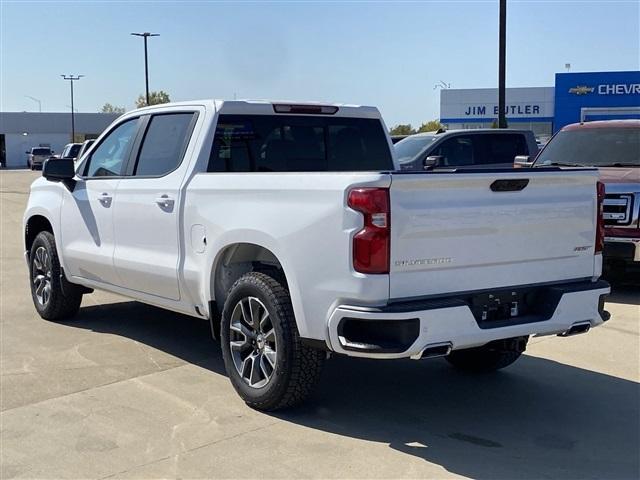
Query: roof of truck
{"x": 632, "y": 123}
{"x": 469, "y": 130}
{"x": 264, "y": 107}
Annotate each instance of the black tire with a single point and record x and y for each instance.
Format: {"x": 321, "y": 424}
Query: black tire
{"x": 297, "y": 367}
{"x": 490, "y": 357}
{"x": 63, "y": 298}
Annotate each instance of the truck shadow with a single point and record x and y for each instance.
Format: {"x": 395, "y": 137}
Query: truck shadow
{"x": 625, "y": 293}
{"x": 179, "y": 335}
{"x": 537, "y": 419}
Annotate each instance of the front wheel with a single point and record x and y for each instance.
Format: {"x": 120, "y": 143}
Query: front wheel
{"x": 266, "y": 362}
{"x": 490, "y": 357}
{"x": 53, "y": 296}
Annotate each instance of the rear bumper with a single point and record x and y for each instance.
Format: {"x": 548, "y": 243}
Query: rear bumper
{"x": 621, "y": 248}
{"x": 405, "y": 329}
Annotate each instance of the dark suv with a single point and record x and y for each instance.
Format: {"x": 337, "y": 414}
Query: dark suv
{"x": 478, "y": 148}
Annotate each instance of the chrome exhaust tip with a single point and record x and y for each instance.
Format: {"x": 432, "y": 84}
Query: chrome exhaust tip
{"x": 434, "y": 350}
{"x": 577, "y": 329}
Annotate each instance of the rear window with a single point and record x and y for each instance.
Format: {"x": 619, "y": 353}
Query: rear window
{"x": 293, "y": 143}
{"x": 596, "y": 147}
{"x": 41, "y": 151}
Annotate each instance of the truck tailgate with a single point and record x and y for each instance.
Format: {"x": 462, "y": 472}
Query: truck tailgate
{"x": 451, "y": 232}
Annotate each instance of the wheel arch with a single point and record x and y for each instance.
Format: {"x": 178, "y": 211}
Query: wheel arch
{"x": 35, "y": 224}
{"x": 233, "y": 261}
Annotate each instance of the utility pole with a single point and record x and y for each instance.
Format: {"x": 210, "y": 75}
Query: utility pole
{"x": 146, "y": 35}
{"x": 71, "y": 79}
{"x": 502, "y": 59}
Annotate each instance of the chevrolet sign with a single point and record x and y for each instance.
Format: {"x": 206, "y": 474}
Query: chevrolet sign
{"x": 581, "y": 90}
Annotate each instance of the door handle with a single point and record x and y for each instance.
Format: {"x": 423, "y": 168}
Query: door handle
{"x": 164, "y": 201}
{"x": 105, "y": 199}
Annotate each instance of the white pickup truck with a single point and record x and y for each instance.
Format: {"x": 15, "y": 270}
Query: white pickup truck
{"x": 287, "y": 228}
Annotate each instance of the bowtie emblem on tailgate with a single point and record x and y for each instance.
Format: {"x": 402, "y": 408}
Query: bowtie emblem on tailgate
{"x": 509, "y": 184}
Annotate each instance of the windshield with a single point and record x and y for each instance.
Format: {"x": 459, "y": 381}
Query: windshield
{"x": 41, "y": 151}
{"x": 410, "y": 147}
{"x": 598, "y": 147}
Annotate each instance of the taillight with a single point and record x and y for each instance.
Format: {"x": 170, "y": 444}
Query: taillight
{"x": 371, "y": 245}
{"x": 600, "y": 219}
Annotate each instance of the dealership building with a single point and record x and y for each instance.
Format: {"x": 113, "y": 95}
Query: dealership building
{"x": 20, "y": 131}
{"x": 575, "y": 97}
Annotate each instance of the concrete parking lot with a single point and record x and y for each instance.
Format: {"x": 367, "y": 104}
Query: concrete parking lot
{"x": 130, "y": 391}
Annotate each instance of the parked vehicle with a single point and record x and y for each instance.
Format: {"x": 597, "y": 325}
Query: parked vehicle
{"x": 37, "y": 155}
{"x": 286, "y": 226}
{"x": 478, "y": 148}
{"x": 84, "y": 148}
{"x": 71, "y": 150}
{"x": 614, "y": 147}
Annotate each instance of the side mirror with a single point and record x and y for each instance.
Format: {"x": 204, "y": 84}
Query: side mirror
{"x": 27, "y": 152}
{"x": 432, "y": 161}
{"x": 58, "y": 169}
{"x": 522, "y": 161}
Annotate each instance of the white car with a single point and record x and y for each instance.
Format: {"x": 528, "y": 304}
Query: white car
{"x": 287, "y": 228}
{"x": 36, "y": 156}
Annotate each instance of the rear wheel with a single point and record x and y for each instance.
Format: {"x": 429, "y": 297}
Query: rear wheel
{"x": 263, "y": 355}
{"x": 490, "y": 357}
{"x": 53, "y": 296}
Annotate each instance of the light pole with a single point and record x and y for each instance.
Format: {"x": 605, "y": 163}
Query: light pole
{"x": 71, "y": 79}
{"x": 502, "y": 59}
{"x": 146, "y": 35}
{"x": 36, "y": 100}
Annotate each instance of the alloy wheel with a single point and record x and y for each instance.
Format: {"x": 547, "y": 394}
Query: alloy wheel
{"x": 253, "y": 343}
{"x": 42, "y": 275}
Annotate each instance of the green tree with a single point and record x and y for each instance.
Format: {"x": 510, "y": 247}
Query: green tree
{"x": 155, "y": 98}
{"x": 402, "y": 129}
{"x": 431, "y": 126}
{"x": 108, "y": 108}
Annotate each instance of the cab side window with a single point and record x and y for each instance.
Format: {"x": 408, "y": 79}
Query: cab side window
{"x": 110, "y": 157}
{"x": 457, "y": 151}
{"x": 164, "y": 144}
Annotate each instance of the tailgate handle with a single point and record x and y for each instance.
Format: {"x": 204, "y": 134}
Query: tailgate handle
{"x": 509, "y": 185}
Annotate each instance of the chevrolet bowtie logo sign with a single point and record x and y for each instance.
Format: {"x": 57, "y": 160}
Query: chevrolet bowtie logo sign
{"x": 581, "y": 90}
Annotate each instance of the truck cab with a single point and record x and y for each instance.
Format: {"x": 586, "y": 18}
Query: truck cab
{"x": 474, "y": 148}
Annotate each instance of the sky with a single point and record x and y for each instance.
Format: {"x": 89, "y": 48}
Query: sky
{"x": 387, "y": 54}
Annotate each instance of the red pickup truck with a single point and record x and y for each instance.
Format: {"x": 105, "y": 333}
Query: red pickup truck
{"x": 614, "y": 147}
